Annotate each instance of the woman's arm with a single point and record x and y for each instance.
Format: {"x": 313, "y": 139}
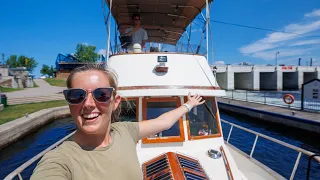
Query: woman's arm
{"x": 168, "y": 119}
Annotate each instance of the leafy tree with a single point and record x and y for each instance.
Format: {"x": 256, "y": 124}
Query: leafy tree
{"x": 85, "y": 53}
{"x": 22, "y": 61}
{"x": 46, "y": 70}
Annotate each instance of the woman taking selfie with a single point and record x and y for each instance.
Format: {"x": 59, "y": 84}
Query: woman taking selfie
{"x": 102, "y": 147}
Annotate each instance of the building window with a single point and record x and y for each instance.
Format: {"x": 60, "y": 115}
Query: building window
{"x": 129, "y": 110}
{"x": 153, "y": 108}
{"x": 203, "y": 121}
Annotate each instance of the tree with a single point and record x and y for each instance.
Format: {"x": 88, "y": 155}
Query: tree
{"x": 85, "y": 53}
{"x": 46, "y": 70}
{"x": 15, "y": 61}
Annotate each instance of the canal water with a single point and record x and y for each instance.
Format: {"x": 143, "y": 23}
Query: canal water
{"x": 279, "y": 158}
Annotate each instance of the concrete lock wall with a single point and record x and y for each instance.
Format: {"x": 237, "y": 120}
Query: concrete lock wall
{"x": 12, "y": 131}
{"x": 226, "y": 80}
{"x": 290, "y": 121}
{"x": 222, "y": 80}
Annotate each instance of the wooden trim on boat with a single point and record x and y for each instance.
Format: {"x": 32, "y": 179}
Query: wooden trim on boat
{"x": 174, "y": 165}
{"x": 226, "y": 162}
{"x": 156, "y": 53}
{"x": 217, "y": 121}
{"x": 216, "y": 113}
{"x": 169, "y": 87}
{"x": 162, "y": 139}
{"x": 137, "y": 105}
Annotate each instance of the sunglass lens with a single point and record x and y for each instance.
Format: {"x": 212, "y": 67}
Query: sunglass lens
{"x": 102, "y": 94}
{"x": 75, "y": 96}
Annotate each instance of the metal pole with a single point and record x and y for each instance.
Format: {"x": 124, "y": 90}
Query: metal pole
{"x": 295, "y": 166}
{"x": 229, "y": 134}
{"x": 109, "y": 24}
{"x": 302, "y": 98}
{"x": 207, "y": 27}
{"x": 254, "y": 146}
{"x": 277, "y": 57}
{"x": 232, "y": 94}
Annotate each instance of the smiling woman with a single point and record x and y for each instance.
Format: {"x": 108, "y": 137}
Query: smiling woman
{"x": 100, "y": 139}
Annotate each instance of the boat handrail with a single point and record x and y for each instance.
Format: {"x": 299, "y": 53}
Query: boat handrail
{"x": 17, "y": 172}
{"x": 300, "y": 150}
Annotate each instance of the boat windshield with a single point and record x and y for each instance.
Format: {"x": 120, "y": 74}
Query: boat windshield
{"x": 162, "y": 48}
{"x": 203, "y": 121}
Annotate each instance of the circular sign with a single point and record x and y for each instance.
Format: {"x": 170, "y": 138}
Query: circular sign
{"x": 288, "y": 99}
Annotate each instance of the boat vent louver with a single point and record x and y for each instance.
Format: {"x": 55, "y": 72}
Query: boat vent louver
{"x": 173, "y": 166}
{"x": 157, "y": 169}
{"x": 191, "y": 168}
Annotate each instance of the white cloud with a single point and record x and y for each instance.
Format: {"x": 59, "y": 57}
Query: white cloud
{"x": 102, "y": 52}
{"x": 256, "y": 47}
{"x": 306, "y": 42}
{"x": 314, "y": 13}
{"x": 85, "y": 43}
{"x": 266, "y": 47}
{"x": 218, "y": 63}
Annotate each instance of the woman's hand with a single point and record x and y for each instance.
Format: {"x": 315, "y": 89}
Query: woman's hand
{"x": 195, "y": 100}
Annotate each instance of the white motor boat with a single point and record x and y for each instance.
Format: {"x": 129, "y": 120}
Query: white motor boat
{"x": 158, "y": 78}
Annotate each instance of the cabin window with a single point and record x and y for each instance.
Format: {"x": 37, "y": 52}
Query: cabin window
{"x": 153, "y": 108}
{"x": 129, "y": 110}
{"x": 203, "y": 120}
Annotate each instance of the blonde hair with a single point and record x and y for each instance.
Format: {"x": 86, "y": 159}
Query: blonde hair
{"x": 112, "y": 78}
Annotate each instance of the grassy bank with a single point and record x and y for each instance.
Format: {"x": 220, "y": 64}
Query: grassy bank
{"x": 16, "y": 111}
{"x": 56, "y": 82}
{"x": 5, "y": 89}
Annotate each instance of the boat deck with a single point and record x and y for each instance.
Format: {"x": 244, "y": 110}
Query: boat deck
{"x": 251, "y": 168}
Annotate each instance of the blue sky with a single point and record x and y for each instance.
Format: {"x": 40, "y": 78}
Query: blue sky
{"x": 42, "y": 29}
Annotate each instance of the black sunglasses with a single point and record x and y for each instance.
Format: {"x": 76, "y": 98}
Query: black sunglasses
{"x": 77, "y": 95}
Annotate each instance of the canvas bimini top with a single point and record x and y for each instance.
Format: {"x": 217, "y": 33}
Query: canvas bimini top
{"x": 164, "y": 20}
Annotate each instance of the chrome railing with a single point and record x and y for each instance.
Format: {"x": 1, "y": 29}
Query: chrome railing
{"x": 17, "y": 172}
{"x": 274, "y": 98}
{"x": 300, "y": 150}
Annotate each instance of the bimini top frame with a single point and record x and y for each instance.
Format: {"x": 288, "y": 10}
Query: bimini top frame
{"x": 164, "y": 21}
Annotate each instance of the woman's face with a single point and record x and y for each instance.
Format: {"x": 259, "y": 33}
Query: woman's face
{"x": 92, "y": 117}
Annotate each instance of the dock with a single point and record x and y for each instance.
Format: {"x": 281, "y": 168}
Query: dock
{"x": 290, "y": 117}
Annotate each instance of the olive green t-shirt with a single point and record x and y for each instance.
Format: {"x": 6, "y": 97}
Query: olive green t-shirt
{"x": 117, "y": 161}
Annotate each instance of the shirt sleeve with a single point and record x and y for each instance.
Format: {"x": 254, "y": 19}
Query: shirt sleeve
{"x": 133, "y": 129}
{"x": 145, "y": 36}
{"x": 52, "y": 166}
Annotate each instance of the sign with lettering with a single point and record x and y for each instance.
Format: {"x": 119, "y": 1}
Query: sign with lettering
{"x": 312, "y": 90}
{"x": 310, "y": 93}
{"x": 162, "y": 59}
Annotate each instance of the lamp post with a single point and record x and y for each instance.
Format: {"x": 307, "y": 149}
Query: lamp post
{"x": 277, "y": 57}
